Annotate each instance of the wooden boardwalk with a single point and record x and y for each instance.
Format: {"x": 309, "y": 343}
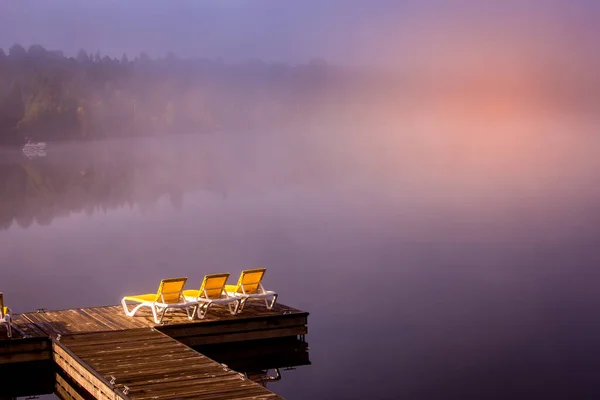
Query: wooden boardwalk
{"x": 115, "y": 356}
{"x": 218, "y": 327}
{"x": 147, "y": 364}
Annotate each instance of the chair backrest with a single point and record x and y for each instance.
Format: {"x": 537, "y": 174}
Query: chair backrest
{"x": 170, "y": 290}
{"x": 213, "y": 286}
{"x": 249, "y": 282}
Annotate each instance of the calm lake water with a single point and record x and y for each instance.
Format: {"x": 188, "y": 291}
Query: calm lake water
{"x": 433, "y": 266}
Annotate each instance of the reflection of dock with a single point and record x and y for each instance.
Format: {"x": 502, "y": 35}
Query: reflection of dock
{"x": 39, "y": 379}
{"x": 260, "y": 360}
{"x": 259, "y": 355}
{"x": 102, "y": 353}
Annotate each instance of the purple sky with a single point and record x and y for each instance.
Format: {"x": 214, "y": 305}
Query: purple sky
{"x": 344, "y": 31}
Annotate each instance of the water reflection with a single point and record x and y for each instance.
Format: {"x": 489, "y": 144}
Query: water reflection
{"x": 29, "y": 379}
{"x": 262, "y": 361}
{"x": 96, "y": 177}
{"x": 475, "y": 254}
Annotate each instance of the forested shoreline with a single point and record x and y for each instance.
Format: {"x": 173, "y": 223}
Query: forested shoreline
{"x": 45, "y": 95}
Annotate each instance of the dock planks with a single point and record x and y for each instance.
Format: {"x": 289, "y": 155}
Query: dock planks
{"x": 147, "y": 364}
{"x": 111, "y": 318}
{"x": 256, "y": 322}
{"x": 93, "y": 346}
{"x": 28, "y": 344}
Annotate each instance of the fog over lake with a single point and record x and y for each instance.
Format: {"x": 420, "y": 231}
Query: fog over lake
{"x": 432, "y": 261}
{"x": 422, "y": 177}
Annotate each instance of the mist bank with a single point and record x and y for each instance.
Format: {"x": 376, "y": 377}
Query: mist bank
{"x": 517, "y": 171}
{"x": 47, "y": 96}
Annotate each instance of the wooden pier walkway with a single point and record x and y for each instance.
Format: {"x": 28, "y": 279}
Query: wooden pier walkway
{"x": 147, "y": 364}
{"x": 114, "y": 356}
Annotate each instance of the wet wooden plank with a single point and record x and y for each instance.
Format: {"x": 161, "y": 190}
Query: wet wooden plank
{"x": 88, "y": 313}
{"x": 131, "y": 368}
{"x": 65, "y": 390}
{"x": 117, "y": 315}
{"x": 135, "y": 356}
{"x": 83, "y": 375}
{"x": 40, "y": 322}
{"x": 168, "y": 374}
{"x": 101, "y": 338}
{"x": 101, "y": 318}
{"x": 123, "y": 347}
{"x": 107, "y": 336}
{"x": 25, "y": 328}
{"x": 138, "y": 355}
{"x": 80, "y": 321}
{"x": 159, "y": 374}
{"x": 144, "y": 316}
{"x": 66, "y": 322}
{"x": 157, "y": 366}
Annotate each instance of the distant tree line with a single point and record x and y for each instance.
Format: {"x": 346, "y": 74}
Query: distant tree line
{"x": 48, "y": 96}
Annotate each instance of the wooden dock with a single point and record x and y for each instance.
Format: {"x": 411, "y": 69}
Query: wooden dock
{"x": 101, "y": 353}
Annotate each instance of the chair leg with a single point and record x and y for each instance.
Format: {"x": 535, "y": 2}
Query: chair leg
{"x": 8, "y": 326}
{"x": 124, "y": 304}
{"x": 191, "y": 315}
{"x": 203, "y": 310}
{"x": 155, "y": 314}
{"x": 233, "y": 308}
{"x": 133, "y": 311}
{"x": 273, "y": 300}
{"x": 242, "y": 303}
{"x": 162, "y": 314}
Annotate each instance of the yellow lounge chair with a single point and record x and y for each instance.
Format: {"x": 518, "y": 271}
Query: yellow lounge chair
{"x": 169, "y": 295}
{"x": 249, "y": 286}
{"x": 212, "y": 291}
{"x": 5, "y": 316}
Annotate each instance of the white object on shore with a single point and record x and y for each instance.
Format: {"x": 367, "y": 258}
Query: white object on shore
{"x": 37, "y": 149}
